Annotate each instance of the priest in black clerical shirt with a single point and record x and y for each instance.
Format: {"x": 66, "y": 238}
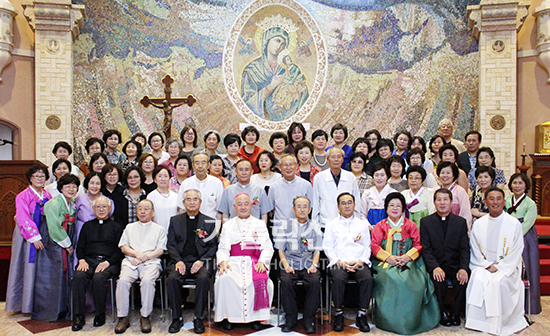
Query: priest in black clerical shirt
{"x": 446, "y": 252}
{"x": 192, "y": 244}
{"x": 99, "y": 260}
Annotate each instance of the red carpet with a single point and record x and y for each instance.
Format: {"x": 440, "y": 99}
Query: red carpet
{"x": 40, "y": 326}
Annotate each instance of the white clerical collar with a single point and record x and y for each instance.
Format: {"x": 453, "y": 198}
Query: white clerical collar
{"x": 145, "y": 224}
{"x": 100, "y": 221}
{"x": 289, "y": 182}
{"x": 244, "y": 186}
{"x": 302, "y": 224}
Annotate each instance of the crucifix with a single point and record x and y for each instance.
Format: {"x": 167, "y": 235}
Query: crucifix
{"x": 167, "y": 104}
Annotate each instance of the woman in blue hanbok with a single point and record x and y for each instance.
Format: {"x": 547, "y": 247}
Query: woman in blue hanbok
{"x": 372, "y": 206}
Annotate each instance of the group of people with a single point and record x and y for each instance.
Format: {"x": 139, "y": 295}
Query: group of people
{"x": 403, "y": 219}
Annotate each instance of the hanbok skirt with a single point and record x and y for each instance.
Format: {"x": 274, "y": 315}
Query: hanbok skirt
{"x": 531, "y": 259}
{"x": 405, "y": 300}
{"x": 376, "y": 215}
{"x": 52, "y": 285}
{"x": 417, "y": 216}
{"x": 20, "y": 291}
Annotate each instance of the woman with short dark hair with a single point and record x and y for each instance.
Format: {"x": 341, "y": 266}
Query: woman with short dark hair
{"x": 54, "y": 264}
{"x": 524, "y": 209}
{"x": 485, "y": 177}
{"x": 296, "y": 133}
{"x": 27, "y": 241}
{"x": 93, "y": 146}
{"x": 164, "y": 200}
{"x": 250, "y": 151}
{"x": 448, "y": 174}
{"x": 319, "y": 139}
{"x": 189, "y": 138}
{"x": 405, "y": 296}
{"x": 339, "y": 133}
{"x": 132, "y": 149}
{"x": 268, "y": 174}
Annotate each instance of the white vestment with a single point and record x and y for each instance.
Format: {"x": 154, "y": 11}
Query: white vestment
{"x": 495, "y": 301}
{"x": 234, "y": 290}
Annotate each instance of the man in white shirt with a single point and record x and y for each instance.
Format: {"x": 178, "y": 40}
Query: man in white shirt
{"x": 211, "y": 187}
{"x": 495, "y": 293}
{"x": 330, "y": 183}
{"x": 261, "y": 204}
{"x": 347, "y": 246}
{"x": 243, "y": 291}
{"x": 142, "y": 242}
{"x": 284, "y": 191}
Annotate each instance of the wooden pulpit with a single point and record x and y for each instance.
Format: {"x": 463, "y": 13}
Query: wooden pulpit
{"x": 12, "y": 182}
{"x": 541, "y": 182}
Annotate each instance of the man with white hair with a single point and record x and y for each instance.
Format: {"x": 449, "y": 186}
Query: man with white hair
{"x": 330, "y": 183}
{"x": 192, "y": 244}
{"x": 243, "y": 290}
{"x": 211, "y": 187}
{"x": 446, "y": 130}
{"x": 98, "y": 260}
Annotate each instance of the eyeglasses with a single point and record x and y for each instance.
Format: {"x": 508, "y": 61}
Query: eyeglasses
{"x": 100, "y": 207}
{"x": 38, "y": 177}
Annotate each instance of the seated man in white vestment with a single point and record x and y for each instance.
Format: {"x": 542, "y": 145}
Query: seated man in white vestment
{"x": 495, "y": 293}
{"x": 243, "y": 290}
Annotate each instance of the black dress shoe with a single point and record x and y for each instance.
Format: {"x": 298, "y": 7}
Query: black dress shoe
{"x": 309, "y": 327}
{"x": 455, "y": 319}
{"x": 338, "y": 323}
{"x": 198, "y": 326}
{"x": 362, "y": 323}
{"x": 256, "y": 325}
{"x": 78, "y": 322}
{"x": 226, "y": 325}
{"x": 289, "y": 326}
{"x": 99, "y": 320}
{"x": 445, "y": 320}
{"x": 175, "y": 326}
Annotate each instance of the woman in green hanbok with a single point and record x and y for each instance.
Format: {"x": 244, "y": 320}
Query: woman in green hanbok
{"x": 524, "y": 209}
{"x": 419, "y": 200}
{"x": 54, "y": 264}
{"x": 404, "y": 294}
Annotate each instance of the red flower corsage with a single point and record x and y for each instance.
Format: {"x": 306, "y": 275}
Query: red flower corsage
{"x": 255, "y": 201}
{"x": 201, "y": 233}
{"x": 358, "y": 238}
{"x": 255, "y": 235}
{"x": 304, "y": 241}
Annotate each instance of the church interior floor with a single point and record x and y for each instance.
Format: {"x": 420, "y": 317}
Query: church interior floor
{"x": 20, "y": 325}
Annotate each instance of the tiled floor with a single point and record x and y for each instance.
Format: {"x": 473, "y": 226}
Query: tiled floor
{"x": 20, "y": 325}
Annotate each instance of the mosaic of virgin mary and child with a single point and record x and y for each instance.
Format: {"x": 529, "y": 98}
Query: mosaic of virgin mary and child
{"x": 272, "y": 85}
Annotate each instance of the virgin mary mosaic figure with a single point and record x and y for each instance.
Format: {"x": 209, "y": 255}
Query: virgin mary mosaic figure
{"x": 272, "y": 88}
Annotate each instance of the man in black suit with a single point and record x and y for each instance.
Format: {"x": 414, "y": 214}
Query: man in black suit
{"x": 467, "y": 159}
{"x": 446, "y": 252}
{"x": 99, "y": 259}
{"x": 192, "y": 244}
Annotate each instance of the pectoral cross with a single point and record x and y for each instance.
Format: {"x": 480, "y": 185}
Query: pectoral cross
{"x": 167, "y": 104}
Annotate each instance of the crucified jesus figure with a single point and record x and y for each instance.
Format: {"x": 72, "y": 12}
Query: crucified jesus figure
{"x": 167, "y": 108}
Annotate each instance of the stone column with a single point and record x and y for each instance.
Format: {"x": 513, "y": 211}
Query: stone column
{"x": 495, "y": 23}
{"x": 56, "y": 24}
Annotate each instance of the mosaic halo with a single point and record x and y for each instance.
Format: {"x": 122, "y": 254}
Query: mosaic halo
{"x": 242, "y": 47}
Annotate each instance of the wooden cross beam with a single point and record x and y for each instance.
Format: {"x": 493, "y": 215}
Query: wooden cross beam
{"x": 167, "y": 104}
